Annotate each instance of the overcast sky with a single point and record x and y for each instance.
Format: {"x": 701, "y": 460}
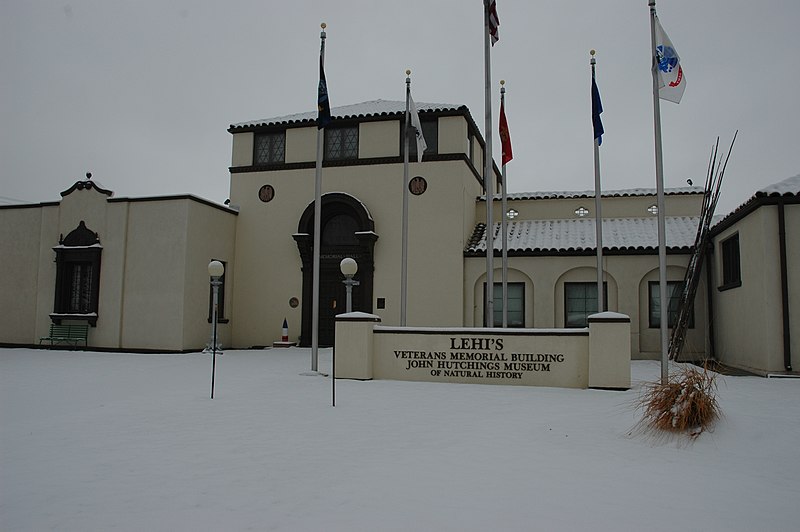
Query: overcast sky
{"x": 141, "y": 93}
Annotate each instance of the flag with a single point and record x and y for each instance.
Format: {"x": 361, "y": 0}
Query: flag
{"x": 671, "y": 80}
{"x": 323, "y": 105}
{"x": 415, "y": 123}
{"x": 597, "y": 108}
{"x": 505, "y": 136}
{"x": 494, "y": 22}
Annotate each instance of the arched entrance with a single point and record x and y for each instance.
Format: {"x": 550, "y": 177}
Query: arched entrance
{"x": 347, "y": 230}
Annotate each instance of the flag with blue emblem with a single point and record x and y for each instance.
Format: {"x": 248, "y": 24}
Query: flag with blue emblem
{"x": 597, "y": 108}
{"x": 671, "y": 81}
{"x": 323, "y": 105}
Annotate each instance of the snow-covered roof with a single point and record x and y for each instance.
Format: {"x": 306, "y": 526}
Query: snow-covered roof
{"x": 787, "y": 187}
{"x": 568, "y": 194}
{"x": 577, "y": 235}
{"x": 359, "y": 110}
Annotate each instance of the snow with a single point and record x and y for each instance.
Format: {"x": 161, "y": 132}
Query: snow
{"x": 106, "y": 441}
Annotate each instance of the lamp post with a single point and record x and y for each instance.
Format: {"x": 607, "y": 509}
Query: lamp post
{"x": 215, "y": 270}
{"x": 349, "y": 268}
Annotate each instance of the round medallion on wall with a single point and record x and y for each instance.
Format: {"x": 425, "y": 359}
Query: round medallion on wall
{"x": 417, "y": 185}
{"x": 266, "y": 193}
{"x": 294, "y": 302}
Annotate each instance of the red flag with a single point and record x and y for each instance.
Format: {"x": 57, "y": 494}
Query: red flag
{"x": 494, "y": 22}
{"x": 505, "y": 136}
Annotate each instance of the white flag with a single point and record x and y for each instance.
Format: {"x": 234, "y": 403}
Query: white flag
{"x": 421, "y": 145}
{"x": 671, "y": 81}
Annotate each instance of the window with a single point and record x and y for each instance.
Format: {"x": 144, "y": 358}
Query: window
{"x": 341, "y": 143}
{"x": 269, "y": 148}
{"x": 77, "y": 290}
{"x": 81, "y": 275}
{"x": 430, "y": 130}
{"x": 516, "y": 304}
{"x": 220, "y": 298}
{"x": 581, "y": 212}
{"x": 674, "y": 290}
{"x": 580, "y": 301}
{"x": 731, "y": 269}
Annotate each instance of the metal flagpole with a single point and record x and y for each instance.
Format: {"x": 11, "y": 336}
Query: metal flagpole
{"x": 404, "y": 267}
{"x": 598, "y": 216}
{"x": 317, "y": 228}
{"x": 503, "y": 222}
{"x": 662, "y": 246}
{"x": 488, "y": 177}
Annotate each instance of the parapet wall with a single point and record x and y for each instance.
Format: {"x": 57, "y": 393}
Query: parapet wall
{"x": 597, "y": 356}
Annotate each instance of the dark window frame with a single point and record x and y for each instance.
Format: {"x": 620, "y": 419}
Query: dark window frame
{"x": 341, "y": 143}
{"x": 275, "y": 152}
{"x": 587, "y": 313}
{"x": 498, "y": 309}
{"x": 78, "y": 254}
{"x": 430, "y": 130}
{"x": 731, "y": 263}
{"x": 674, "y": 289}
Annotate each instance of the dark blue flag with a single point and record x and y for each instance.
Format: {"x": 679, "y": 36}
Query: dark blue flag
{"x": 323, "y": 105}
{"x": 597, "y": 108}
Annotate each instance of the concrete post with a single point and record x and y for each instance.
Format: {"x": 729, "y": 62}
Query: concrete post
{"x": 610, "y": 351}
{"x": 353, "y": 345}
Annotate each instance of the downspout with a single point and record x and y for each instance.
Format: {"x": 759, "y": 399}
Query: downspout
{"x": 787, "y": 347}
{"x": 712, "y": 344}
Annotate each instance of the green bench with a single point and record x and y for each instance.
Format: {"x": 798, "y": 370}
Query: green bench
{"x": 66, "y": 334}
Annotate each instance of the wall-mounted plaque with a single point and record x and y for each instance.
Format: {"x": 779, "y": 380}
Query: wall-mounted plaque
{"x": 417, "y": 185}
{"x": 266, "y": 193}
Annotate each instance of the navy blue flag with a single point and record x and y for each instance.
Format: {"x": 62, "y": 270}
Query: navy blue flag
{"x": 323, "y": 105}
{"x": 597, "y": 108}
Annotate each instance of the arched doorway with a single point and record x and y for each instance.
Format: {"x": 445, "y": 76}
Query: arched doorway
{"x": 347, "y": 230}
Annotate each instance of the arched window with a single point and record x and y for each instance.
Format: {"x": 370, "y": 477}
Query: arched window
{"x": 77, "y": 276}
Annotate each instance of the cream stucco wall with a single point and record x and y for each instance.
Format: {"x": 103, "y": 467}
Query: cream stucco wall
{"x": 150, "y": 296}
{"x": 268, "y": 262}
{"x": 792, "y": 213}
{"x": 242, "y": 152}
{"x": 379, "y": 139}
{"x": 301, "y": 145}
{"x": 626, "y": 277}
{"x": 749, "y": 318}
{"x": 20, "y": 231}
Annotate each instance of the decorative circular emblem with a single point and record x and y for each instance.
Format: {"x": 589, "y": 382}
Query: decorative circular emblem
{"x": 266, "y": 193}
{"x": 294, "y": 302}
{"x": 417, "y": 185}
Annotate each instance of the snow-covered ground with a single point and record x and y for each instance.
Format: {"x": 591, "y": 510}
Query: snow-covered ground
{"x": 99, "y": 441}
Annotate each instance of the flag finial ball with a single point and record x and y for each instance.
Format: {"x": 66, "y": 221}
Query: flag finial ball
{"x": 408, "y": 72}
{"x": 502, "y": 82}
{"x": 592, "y": 52}
{"x": 323, "y": 25}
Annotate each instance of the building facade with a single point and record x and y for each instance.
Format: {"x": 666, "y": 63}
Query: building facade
{"x": 144, "y": 260}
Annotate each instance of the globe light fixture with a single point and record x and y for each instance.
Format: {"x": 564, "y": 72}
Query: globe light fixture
{"x": 349, "y": 267}
{"x": 215, "y": 269}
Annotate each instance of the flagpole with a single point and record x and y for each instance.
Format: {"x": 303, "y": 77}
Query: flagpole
{"x": 503, "y": 223}
{"x": 662, "y": 246}
{"x": 404, "y": 266}
{"x": 488, "y": 178}
{"x": 598, "y": 216}
{"x": 317, "y": 227}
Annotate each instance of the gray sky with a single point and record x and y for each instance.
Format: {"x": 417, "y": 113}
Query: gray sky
{"x": 141, "y": 93}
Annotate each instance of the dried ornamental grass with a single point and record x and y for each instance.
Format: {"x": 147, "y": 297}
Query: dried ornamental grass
{"x": 686, "y": 404}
